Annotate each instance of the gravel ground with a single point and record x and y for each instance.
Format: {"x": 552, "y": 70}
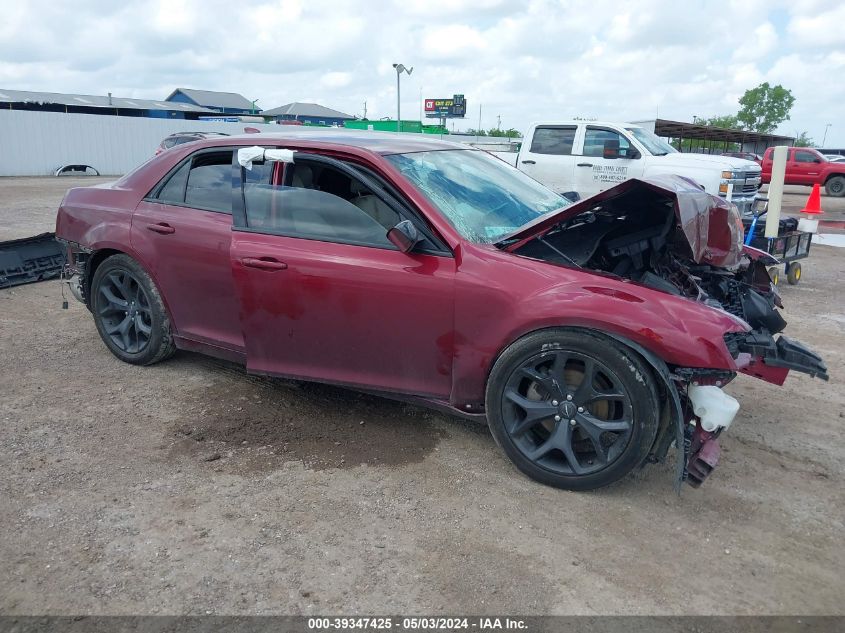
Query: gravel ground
{"x": 190, "y": 488}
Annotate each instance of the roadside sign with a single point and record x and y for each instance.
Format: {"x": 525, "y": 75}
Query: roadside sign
{"x": 454, "y": 108}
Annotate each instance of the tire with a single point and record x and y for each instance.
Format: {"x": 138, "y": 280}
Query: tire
{"x": 533, "y": 397}
{"x": 774, "y": 275}
{"x": 129, "y": 312}
{"x": 835, "y": 186}
{"x": 793, "y": 273}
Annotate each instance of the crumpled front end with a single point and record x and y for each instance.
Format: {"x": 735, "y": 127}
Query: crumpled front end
{"x": 669, "y": 235}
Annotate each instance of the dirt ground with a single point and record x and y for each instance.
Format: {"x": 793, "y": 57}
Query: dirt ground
{"x": 191, "y": 488}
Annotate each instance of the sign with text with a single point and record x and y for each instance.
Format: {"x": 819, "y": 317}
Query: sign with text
{"x": 454, "y": 108}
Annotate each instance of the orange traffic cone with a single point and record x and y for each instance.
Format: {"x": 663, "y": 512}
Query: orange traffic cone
{"x": 814, "y": 202}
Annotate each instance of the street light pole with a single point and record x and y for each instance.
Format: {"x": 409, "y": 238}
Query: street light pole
{"x": 824, "y": 138}
{"x": 400, "y": 68}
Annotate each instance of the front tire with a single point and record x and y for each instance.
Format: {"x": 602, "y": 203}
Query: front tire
{"x": 572, "y": 409}
{"x": 129, "y": 312}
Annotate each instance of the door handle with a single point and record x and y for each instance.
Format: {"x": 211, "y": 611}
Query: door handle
{"x": 585, "y": 164}
{"x": 263, "y": 263}
{"x": 529, "y": 162}
{"x": 162, "y": 227}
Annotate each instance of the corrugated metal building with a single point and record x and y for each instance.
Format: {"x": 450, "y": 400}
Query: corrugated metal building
{"x": 37, "y": 143}
{"x": 308, "y": 113}
{"x": 225, "y": 102}
{"x": 98, "y": 104}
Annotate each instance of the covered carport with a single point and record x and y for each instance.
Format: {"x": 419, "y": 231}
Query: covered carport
{"x": 713, "y": 140}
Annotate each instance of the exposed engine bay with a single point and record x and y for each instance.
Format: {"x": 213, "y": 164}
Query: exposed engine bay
{"x": 673, "y": 237}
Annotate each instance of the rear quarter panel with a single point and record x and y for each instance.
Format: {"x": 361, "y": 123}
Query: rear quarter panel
{"x": 97, "y": 217}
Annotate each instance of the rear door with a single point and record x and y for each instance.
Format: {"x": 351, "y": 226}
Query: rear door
{"x": 324, "y": 295}
{"x": 181, "y": 231}
{"x": 548, "y": 158}
{"x": 594, "y": 172}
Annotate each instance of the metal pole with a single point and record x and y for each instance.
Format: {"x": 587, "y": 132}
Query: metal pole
{"x": 398, "y": 106}
{"x": 478, "y": 129}
{"x": 824, "y": 138}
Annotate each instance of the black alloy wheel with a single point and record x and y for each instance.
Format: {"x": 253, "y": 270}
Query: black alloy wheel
{"x": 567, "y": 412}
{"x": 572, "y": 409}
{"x": 129, "y": 312}
{"x": 125, "y": 311}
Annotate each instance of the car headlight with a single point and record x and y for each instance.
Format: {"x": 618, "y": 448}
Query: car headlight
{"x": 728, "y": 175}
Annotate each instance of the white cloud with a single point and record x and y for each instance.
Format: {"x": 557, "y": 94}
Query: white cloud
{"x": 816, "y": 27}
{"x": 762, "y": 41}
{"x": 522, "y": 60}
{"x": 453, "y": 41}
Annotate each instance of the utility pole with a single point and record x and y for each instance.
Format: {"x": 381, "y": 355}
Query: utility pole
{"x": 499, "y": 122}
{"x": 365, "y": 108}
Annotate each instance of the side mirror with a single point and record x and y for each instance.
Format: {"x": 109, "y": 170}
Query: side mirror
{"x": 611, "y": 149}
{"x": 572, "y": 196}
{"x": 404, "y": 236}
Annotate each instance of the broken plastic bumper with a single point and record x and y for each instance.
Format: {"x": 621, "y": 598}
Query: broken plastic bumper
{"x": 759, "y": 354}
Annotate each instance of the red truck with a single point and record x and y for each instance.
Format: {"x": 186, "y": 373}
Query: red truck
{"x": 805, "y": 166}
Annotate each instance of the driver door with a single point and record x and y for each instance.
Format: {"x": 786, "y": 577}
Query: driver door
{"x": 806, "y": 167}
{"x": 594, "y": 172}
{"x": 324, "y": 295}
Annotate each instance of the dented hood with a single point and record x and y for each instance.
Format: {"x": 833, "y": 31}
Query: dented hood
{"x": 712, "y": 227}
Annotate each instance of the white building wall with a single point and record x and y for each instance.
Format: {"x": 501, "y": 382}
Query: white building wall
{"x": 37, "y": 143}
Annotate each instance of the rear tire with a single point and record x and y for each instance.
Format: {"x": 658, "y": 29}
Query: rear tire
{"x": 835, "y": 186}
{"x": 129, "y": 312}
{"x": 561, "y": 430}
{"x": 793, "y": 273}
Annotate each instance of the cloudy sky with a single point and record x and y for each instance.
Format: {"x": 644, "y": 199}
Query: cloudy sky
{"x": 524, "y": 61}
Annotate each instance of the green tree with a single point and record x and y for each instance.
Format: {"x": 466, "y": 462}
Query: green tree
{"x": 509, "y": 133}
{"x": 803, "y": 140}
{"x": 765, "y": 107}
{"x": 724, "y": 120}
{"x": 475, "y": 132}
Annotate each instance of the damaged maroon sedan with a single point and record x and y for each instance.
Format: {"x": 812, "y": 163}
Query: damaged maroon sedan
{"x": 592, "y": 337}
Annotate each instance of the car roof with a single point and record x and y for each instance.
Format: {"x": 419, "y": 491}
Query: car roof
{"x": 378, "y": 142}
{"x": 627, "y": 126}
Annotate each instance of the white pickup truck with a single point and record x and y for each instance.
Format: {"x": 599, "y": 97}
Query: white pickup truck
{"x": 590, "y": 156}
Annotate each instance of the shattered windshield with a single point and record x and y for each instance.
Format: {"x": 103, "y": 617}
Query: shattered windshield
{"x": 653, "y": 143}
{"x": 483, "y": 197}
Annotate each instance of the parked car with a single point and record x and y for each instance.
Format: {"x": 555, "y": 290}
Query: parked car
{"x": 756, "y": 158}
{"x": 589, "y": 336}
{"x": 806, "y": 166}
{"x": 184, "y": 137}
{"x": 834, "y": 158}
{"x": 591, "y": 156}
